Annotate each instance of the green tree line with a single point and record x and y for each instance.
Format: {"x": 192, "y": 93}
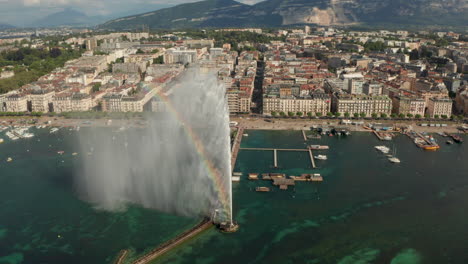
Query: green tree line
{"x": 30, "y": 64}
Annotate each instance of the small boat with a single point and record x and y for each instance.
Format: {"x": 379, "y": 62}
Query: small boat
{"x": 318, "y": 147}
{"x": 321, "y": 157}
{"x": 53, "y": 130}
{"x": 61, "y": 152}
{"x": 74, "y": 154}
{"x": 383, "y": 149}
{"x": 262, "y": 189}
{"x": 431, "y": 147}
{"x": 449, "y": 142}
{"x": 9, "y": 159}
{"x": 394, "y": 160}
{"x": 245, "y": 135}
{"x": 1, "y": 140}
{"x": 456, "y": 138}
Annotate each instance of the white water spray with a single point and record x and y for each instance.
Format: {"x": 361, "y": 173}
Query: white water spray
{"x": 179, "y": 163}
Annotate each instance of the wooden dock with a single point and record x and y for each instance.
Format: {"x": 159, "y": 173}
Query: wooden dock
{"x": 273, "y": 149}
{"x": 275, "y": 158}
{"x": 304, "y": 135}
{"x": 275, "y": 154}
{"x": 312, "y": 160}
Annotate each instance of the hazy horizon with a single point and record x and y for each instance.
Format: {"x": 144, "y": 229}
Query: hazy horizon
{"x": 24, "y": 12}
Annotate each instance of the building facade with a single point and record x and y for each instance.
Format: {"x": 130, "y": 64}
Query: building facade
{"x": 357, "y": 104}
{"x": 439, "y": 107}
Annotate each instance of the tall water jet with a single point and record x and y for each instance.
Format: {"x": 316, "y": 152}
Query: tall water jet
{"x": 178, "y": 163}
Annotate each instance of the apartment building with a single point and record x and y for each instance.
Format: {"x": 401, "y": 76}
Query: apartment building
{"x": 346, "y": 103}
{"x": 439, "y": 107}
{"x": 315, "y": 103}
{"x": 409, "y": 105}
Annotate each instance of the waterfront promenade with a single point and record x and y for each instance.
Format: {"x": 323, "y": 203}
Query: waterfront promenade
{"x": 247, "y": 123}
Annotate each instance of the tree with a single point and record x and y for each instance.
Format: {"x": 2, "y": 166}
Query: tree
{"x": 401, "y": 115}
{"x": 452, "y": 117}
{"x": 283, "y": 114}
{"x": 155, "y": 51}
{"x": 140, "y": 51}
{"x": 329, "y": 114}
{"x": 290, "y": 114}
{"x": 409, "y": 115}
{"x": 414, "y": 55}
{"x": 299, "y": 114}
{"x": 310, "y": 114}
{"x": 96, "y": 87}
{"x": 337, "y": 114}
{"x": 427, "y": 116}
{"x": 418, "y": 116}
{"x": 55, "y": 52}
{"x": 356, "y": 115}
{"x": 374, "y": 115}
{"x": 274, "y": 114}
{"x": 362, "y": 114}
{"x": 460, "y": 117}
{"x": 383, "y": 115}
{"x": 393, "y": 115}
{"x": 159, "y": 60}
{"x": 436, "y": 116}
{"x": 347, "y": 114}
{"x": 444, "y": 116}
{"x": 318, "y": 114}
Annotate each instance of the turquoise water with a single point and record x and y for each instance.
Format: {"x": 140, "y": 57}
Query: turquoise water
{"x": 366, "y": 211}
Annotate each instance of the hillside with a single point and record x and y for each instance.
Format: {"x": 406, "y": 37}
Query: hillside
{"x": 274, "y": 13}
{"x": 67, "y": 17}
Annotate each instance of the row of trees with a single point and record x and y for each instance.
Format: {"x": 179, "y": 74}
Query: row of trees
{"x": 37, "y": 114}
{"x": 361, "y": 115}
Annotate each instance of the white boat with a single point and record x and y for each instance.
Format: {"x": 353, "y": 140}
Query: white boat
{"x": 9, "y": 159}
{"x": 245, "y": 135}
{"x": 1, "y": 140}
{"x": 393, "y": 158}
{"x": 53, "y": 130}
{"x": 28, "y": 135}
{"x": 11, "y": 135}
{"x": 383, "y": 149}
{"x": 321, "y": 157}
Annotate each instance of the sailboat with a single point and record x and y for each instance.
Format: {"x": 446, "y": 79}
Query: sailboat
{"x": 394, "y": 159}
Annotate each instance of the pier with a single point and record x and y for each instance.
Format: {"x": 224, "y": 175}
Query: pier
{"x": 275, "y": 157}
{"x": 275, "y": 154}
{"x": 236, "y": 147}
{"x": 304, "y": 135}
{"x": 171, "y": 244}
{"x": 312, "y": 160}
{"x": 273, "y": 149}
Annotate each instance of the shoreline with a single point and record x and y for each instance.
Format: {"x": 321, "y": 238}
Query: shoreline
{"x": 248, "y": 123}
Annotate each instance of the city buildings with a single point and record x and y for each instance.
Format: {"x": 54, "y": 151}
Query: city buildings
{"x": 357, "y": 104}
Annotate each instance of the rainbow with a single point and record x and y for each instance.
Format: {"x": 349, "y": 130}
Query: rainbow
{"x": 213, "y": 172}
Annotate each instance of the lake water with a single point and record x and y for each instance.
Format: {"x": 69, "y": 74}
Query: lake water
{"x": 367, "y": 210}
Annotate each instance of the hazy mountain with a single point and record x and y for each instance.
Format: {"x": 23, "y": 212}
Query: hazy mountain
{"x": 68, "y": 17}
{"x": 4, "y": 26}
{"x": 272, "y": 13}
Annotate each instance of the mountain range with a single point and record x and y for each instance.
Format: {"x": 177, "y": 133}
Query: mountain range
{"x": 277, "y": 13}
{"x": 4, "y": 26}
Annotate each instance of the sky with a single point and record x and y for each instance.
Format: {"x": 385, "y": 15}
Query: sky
{"x": 24, "y": 12}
